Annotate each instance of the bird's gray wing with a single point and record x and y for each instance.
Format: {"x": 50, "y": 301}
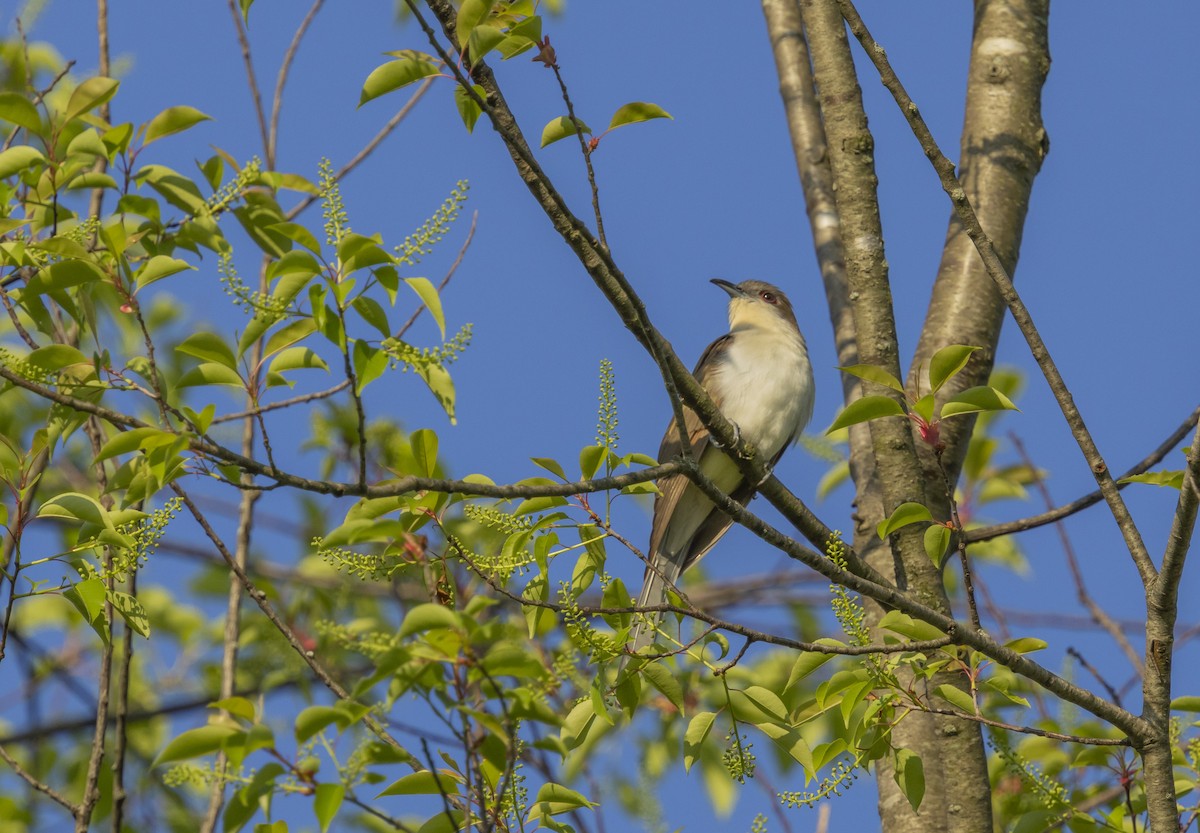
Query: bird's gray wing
{"x": 671, "y": 488}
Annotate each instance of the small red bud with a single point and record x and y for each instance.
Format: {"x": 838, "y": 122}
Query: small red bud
{"x": 127, "y": 308}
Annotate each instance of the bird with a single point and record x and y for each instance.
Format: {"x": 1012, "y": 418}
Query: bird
{"x": 759, "y": 376}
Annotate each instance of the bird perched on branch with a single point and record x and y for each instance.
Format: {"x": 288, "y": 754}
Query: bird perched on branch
{"x": 759, "y": 376}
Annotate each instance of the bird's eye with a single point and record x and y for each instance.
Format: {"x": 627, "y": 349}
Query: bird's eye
{"x": 769, "y": 297}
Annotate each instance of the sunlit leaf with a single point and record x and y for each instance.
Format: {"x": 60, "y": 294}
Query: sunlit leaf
{"x": 561, "y": 128}
{"x": 865, "y": 409}
{"x": 947, "y": 362}
{"x": 637, "y": 111}
{"x": 902, "y": 516}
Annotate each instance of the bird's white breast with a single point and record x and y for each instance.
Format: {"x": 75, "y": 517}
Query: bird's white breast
{"x": 764, "y": 384}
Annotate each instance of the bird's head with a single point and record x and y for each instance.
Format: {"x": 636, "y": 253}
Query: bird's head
{"x": 757, "y": 304}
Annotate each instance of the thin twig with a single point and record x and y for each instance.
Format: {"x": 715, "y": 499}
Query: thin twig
{"x": 1030, "y": 730}
{"x": 370, "y": 146}
{"x": 44, "y": 789}
{"x": 285, "y": 67}
{"x": 307, "y": 656}
{"x": 1099, "y": 614}
{"x": 1168, "y": 445}
{"x": 252, "y": 81}
{"x": 412, "y": 319}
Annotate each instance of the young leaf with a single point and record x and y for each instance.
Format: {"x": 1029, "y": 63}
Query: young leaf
{"x": 327, "y": 802}
{"x": 665, "y": 682}
{"x": 89, "y": 95}
{"x": 195, "y": 742}
{"x": 470, "y": 14}
{"x": 425, "y": 782}
{"x": 429, "y": 296}
{"x": 937, "y": 541}
{"x": 947, "y": 362}
{"x": 159, "y": 267}
{"x": 637, "y": 111}
{"x": 904, "y": 514}
{"x": 1174, "y": 479}
{"x": 209, "y": 347}
{"x": 697, "y": 732}
{"x": 17, "y": 159}
{"x": 396, "y": 74}
{"x": 956, "y": 697}
{"x": 871, "y": 373}
{"x": 173, "y": 120}
{"x": 425, "y": 450}
{"x": 17, "y": 109}
{"x": 561, "y": 128}
{"x": 909, "y": 773}
{"x": 973, "y": 400}
{"x": 864, "y": 410}
{"x": 468, "y": 109}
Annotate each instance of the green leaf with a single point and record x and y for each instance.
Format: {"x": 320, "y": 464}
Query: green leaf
{"x": 89, "y": 95}
{"x": 369, "y": 364}
{"x": 946, "y": 363}
{"x": 296, "y": 358}
{"x": 554, "y": 799}
{"x": 159, "y": 267}
{"x": 288, "y": 335}
{"x": 693, "y": 740}
{"x": 327, "y": 802}
{"x": 313, "y": 719}
{"x": 396, "y": 74}
{"x": 756, "y": 704}
{"x": 904, "y": 514}
{"x": 425, "y": 782}
{"x": 425, "y": 617}
{"x": 561, "y": 128}
{"x": 806, "y": 663}
{"x": 937, "y": 541}
{"x": 909, "y": 773}
{"x": 64, "y": 275}
{"x": 1173, "y": 479}
{"x": 211, "y": 373}
{"x": 88, "y": 598}
{"x": 872, "y": 373}
{"x": 17, "y": 159}
{"x": 470, "y": 14}
{"x": 238, "y": 707}
{"x": 864, "y": 409}
{"x": 425, "y": 449}
{"x": 591, "y": 457}
{"x": 132, "y": 611}
{"x": 483, "y": 40}
{"x": 208, "y": 347}
{"x": 18, "y": 110}
{"x": 173, "y": 120}
{"x": 973, "y": 400}
{"x": 956, "y": 697}
{"x": 1026, "y": 645}
{"x": 441, "y": 385}
{"x": 76, "y": 506}
{"x": 298, "y": 234}
{"x": 662, "y": 679}
{"x": 905, "y": 625}
{"x": 196, "y": 742}
{"x": 429, "y": 296}
{"x": 55, "y": 357}
{"x": 373, "y": 313}
{"x": 468, "y": 108}
{"x": 551, "y": 465}
{"x": 637, "y": 111}
{"x": 1186, "y": 704}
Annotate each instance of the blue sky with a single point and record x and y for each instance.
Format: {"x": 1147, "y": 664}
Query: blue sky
{"x": 1107, "y": 267}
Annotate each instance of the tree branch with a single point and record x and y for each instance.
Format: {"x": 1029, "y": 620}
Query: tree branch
{"x": 999, "y": 275}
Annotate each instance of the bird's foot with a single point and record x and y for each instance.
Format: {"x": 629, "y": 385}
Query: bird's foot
{"x": 737, "y": 436}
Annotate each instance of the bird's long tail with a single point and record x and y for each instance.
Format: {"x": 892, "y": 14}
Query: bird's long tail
{"x": 654, "y": 592}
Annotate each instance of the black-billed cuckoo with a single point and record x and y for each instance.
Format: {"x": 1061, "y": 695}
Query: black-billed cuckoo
{"x": 759, "y": 375}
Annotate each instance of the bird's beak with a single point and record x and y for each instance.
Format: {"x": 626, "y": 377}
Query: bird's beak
{"x": 732, "y": 288}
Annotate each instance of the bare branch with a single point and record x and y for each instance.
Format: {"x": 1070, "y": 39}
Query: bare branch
{"x": 986, "y": 533}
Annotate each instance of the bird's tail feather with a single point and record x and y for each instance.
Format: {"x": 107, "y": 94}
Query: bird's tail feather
{"x": 654, "y": 592}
